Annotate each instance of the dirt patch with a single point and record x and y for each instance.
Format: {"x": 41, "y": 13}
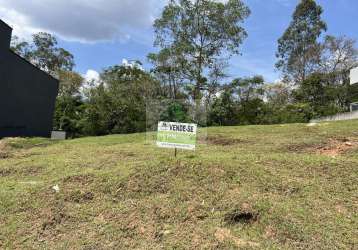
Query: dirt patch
{"x": 270, "y": 232}
{"x": 84, "y": 179}
{"x": 28, "y": 171}
{"x": 144, "y": 183}
{"x": 31, "y": 170}
{"x": 333, "y": 147}
{"x": 283, "y": 189}
{"x": 53, "y": 220}
{"x": 7, "y": 172}
{"x": 222, "y": 141}
{"x": 224, "y": 234}
{"x": 4, "y": 150}
{"x": 80, "y": 196}
{"x": 299, "y": 148}
{"x": 54, "y": 216}
{"x": 4, "y": 155}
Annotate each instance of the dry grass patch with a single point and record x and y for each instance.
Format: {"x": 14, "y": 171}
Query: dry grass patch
{"x": 4, "y": 150}
{"x": 222, "y": 141}
{"x": 332, "y": 147}
{"x": 224, "y": 234}
{"x": 336, "y": 147}
{"x": 116, "y": 192}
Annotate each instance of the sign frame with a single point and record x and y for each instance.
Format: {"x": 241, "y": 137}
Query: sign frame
{"x": 177, "y": 135}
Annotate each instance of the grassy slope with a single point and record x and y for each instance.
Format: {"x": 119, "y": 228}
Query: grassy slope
{"x": 122, "y": 192}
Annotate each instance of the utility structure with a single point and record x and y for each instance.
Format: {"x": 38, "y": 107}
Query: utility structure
{"x": 354, "y": 80}
{"x": 27, "y": 94}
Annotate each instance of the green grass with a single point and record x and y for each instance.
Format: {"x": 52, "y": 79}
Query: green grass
{"x": 252, "y": 187}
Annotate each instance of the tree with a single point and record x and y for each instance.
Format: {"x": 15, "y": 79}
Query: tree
{"x": 69, "y": 110}
{"x": 69, "y": 103}
{"x": 224, "y": 109}
{"x": 240, "y": 102}
{"x": 320, "y": 95}
{"x": 250, "y": 92}
{"x": 339, "y": 56}
{"x": 69, "y": 115}
{"x": 70, "y": 83}
{"x": 21, "y": 47}
{"x": 298, "y": 49}
{"x": 278, "y": 94}
{"x": 175, "y": 112}
{"x": 197, "y": 34}
{"x": 44, "y": 53}
{"x": 118, "y": 104}
{"x": 167, "y": 70}
{"x": 249, "y": 88}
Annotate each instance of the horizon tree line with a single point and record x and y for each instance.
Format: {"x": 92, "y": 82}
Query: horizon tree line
{"x": 196, "y": 40}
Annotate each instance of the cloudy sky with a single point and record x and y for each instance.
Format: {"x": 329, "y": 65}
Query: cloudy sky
{"x": 101, "y": 33}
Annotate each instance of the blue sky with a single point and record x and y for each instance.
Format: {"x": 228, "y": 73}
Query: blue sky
{"x": 101, "y": 36}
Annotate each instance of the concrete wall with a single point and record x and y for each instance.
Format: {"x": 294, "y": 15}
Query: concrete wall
{"x": 27, "y": 94}
{"x": 339, "y": 117}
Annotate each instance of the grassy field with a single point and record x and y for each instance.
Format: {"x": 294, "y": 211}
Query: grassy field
{"x": 253, "y": 187}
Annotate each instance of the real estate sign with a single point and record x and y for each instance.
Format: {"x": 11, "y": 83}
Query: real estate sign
{"x": 176, "y": 135}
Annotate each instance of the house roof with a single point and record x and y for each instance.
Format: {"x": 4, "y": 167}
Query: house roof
{"x": 1, "y": 21}
{"x": 23, "y": 59}
{"x": 26, "y": 61}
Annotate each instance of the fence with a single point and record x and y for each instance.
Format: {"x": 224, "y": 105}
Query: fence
{"x": 338, "y": 117}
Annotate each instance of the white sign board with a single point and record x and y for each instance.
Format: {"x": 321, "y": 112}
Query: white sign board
{"x": 176, "y": 135}
{"x": 354, "y": 76}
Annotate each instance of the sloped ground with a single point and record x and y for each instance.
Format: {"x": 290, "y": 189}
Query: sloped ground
{"x": 254, "y": 187}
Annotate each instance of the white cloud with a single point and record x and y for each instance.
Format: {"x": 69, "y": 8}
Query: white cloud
{"x": 131, "y": 64}
{"x": 81, "y": 20}
{"x": 92, "y": 76}
{"x": 91, "y": 80}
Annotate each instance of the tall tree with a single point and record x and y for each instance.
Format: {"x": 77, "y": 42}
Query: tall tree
{"x": 298, "y": 49}
{"x": 198, "y": 33}
{"x": 167, "y": 70}
{"x": 249, "y": 88}
{"x": 44, "y": 53}
{"x": 21, "y": 47}
{"x": 339, "y": 56}
{"x": 69, "y": 103}
{"x": 70, "y": 83}
{"x": 250, "y": 92}
{"x": 278, "y": 94}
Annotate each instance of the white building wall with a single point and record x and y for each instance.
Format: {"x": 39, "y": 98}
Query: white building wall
{"x": 339, "y": 117}
{"x": 354, "y": 76}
